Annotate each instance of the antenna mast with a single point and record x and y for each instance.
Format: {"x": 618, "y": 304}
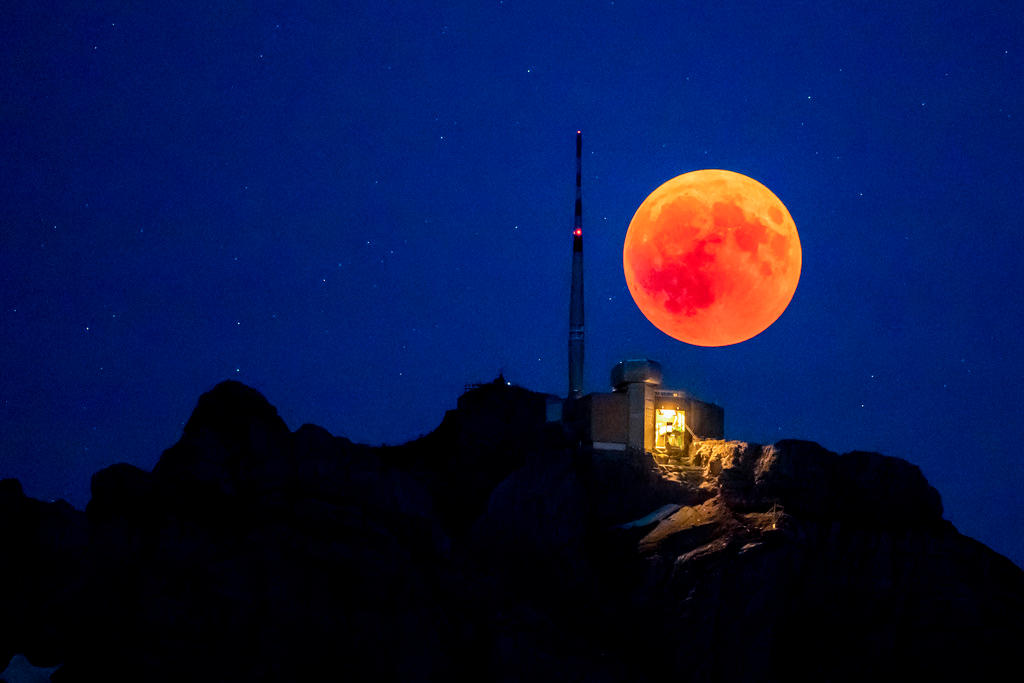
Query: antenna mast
{"x": 576, "y": 289}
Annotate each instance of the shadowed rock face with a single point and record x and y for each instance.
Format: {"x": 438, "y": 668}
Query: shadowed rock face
{"x": 491, "y": 549}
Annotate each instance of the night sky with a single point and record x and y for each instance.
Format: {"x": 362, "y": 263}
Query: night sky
{"x": 358, "y": 208}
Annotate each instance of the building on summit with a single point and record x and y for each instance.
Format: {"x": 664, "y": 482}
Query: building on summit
{"x": 638, "y": 414}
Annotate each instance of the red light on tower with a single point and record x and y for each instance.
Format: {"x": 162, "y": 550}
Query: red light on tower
{"x": 578, "y": 232}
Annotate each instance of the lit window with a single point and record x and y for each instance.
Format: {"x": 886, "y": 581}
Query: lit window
{"x": 669, "y": 425}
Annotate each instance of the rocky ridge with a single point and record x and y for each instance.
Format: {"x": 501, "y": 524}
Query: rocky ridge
{"x": 495, "y": 548}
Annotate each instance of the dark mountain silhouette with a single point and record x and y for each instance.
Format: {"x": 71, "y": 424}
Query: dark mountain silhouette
{"x": 493, "y": 549}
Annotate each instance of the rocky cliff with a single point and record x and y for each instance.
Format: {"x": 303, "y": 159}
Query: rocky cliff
{"x": 495, "y": 549}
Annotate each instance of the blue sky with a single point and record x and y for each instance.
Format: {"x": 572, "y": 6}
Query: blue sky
{"x": 360, "y": 209}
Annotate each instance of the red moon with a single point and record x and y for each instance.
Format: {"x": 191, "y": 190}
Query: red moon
{"x": 712, "y": 258}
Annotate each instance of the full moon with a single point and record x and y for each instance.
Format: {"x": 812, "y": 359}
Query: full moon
{"x": 712, "y": 258}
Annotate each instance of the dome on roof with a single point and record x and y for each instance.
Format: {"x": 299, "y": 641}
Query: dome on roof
{"x": 634, "y": 371}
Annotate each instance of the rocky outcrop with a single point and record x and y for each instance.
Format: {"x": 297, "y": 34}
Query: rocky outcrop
{"x": 493, "y": 549}
{"x": 44, "y": 552}
{"x": 807, "y": 479}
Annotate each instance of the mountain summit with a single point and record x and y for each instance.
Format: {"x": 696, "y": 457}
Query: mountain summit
{"x": 498, "y": 548}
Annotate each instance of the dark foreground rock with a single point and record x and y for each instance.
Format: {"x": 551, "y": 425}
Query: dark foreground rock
{"x": 493, "y": 549}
